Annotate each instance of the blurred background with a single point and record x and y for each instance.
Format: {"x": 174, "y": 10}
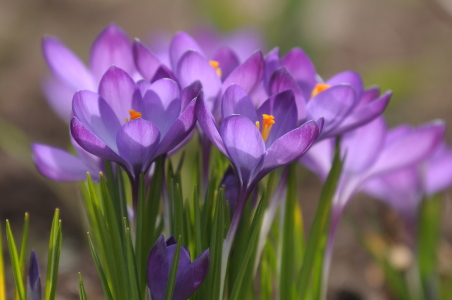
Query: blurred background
{"x": 402, "y": 45}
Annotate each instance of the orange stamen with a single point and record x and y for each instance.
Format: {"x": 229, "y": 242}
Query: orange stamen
{"x": 319, "y": 87}
{"x": 268, "y": 121}
{"x": 216, "y": 66}
{"x": 133, "y": 115}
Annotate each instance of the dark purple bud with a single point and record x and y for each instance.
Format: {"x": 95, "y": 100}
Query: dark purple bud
{"x": 189, "y": 276}
{"x": 34, "y": 279}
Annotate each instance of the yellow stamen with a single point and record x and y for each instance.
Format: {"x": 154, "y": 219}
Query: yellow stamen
{"x": 133, "y": 115}
{"x": 319, "y": 87}
{"x": 268, "y": 121}
{"x": 216, "y": 66}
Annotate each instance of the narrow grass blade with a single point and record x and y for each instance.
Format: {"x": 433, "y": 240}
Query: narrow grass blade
{"x": 53, "y": 256}
{"x": 321, "y": 221}
{"x": 100, "y": 270}
{"x": 23, "y": 248}
{"x": 251, "y": 247}
{"x": 134, "y": 291}
{"x": 173, "y": 273}
{"x": 216, "y": 248}
{"x": 286, "y": 273}
{"x": 429, "y": 231}
{"x": 15, "y": 262}
{"x": 2, "y": 269}
{"x": 81, "y": 287}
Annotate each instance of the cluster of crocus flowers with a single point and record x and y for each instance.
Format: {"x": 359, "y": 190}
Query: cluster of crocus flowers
{"x": 133, "y": 106}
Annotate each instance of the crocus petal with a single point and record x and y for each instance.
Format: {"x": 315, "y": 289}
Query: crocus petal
{"x": 244, "y": 145}
{"x": 163, "y": 72}
{"x": 111, "y": 47}
{"x": 93, "y": 162}
{"x": 192, "y": 67}
{"x": 118, "y": 89}
{"x": 232, "y": 188}
{"x": 351, "y": 78}
{"x": 438, "y": 175}
{"x": 181, "y": 43}
{"x": 146, "y": 62}
{"x": 369, "y": 95}
{"x": 158, "y": 269}
{"x": 302, "y": 69}
{"x": 282, "y": 106}
{"x": 227, "y": 59}
{"x": 208, "y": 124}
{"x": 248, "y": 75}
{"x": 34, "y": 279}
{"x": 282, "y": 81}
{"x": 409, "y": 149}
{"x": 363, "y": 145}
{"x": 59, "y": 165}
{"x": 363, "y": 115}
{"x": 192, "y": 277}
{"x": 137, "y": 141}
{"x": 189, "y": 93}
{"x": 97, "y": 116}
{"x": 162, "y": 104}
{"x": 66, "y": 66}
{"x": 184, "y": 259}
{"x": 59, "y": 96}
{"x": 334, "y": 104}
{"x": 143, "y": 86}
{"x": 290, "y": 147}
{"x": 319, "y": 157}
{"x": 272, "y": 63}
{"x": 401, "y": 190}
{"x": 236, "y": 101}
{"x": 179, "y": 130}
{"x": 91, "y": 143}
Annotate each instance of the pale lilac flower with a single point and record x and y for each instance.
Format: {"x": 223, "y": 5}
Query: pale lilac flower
{"x": 129, "y": 123}
{"x": 70, "y": 74}
{"x": 341, "y": 100}
{"x": 60, "y": 165}
{"x": 404, "y": 189}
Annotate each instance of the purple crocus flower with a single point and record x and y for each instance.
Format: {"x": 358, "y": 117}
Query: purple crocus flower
{"x": 252, "y": 152}
{"x": 111, "y": 47}
{"x": 189, "y": 64}
{"x": 130, "y": 123}
{"x": 60, "y": 165}
{"x": 34, "y": 279}
{"x": 189, "y": 276}
{"x": 404, "y": 189}
{"x": 371, "y": 151}
{"x": 341, "y": 100}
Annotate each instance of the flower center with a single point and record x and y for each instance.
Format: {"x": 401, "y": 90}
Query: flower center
{"x": 319, "y": 87}
{"x": 216, "y": 66}
{"x": 133, "y": 115}
{"x": 268, "y": 121}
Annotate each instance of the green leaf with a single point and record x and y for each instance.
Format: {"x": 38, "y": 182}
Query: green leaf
{"x": 173, "y": 272}
{"x": 23, "y": 249}
{"x": 2, "y": 269}
{"x": 131, "y": 264}
{"x": 81, "y": 288}
{"x": 100, "y": 270}
{"x": 53, "y": 256}
{"x": 427, "y": 247}
{"x": 253, "y": 236}
{"x": 320, "y": 224}
{"x": 216, "y": 248}
{"x": 288, "y": 235}
{"x": 15, "y": 262}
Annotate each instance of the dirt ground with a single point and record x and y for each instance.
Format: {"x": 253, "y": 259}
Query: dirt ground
{"x": 401, "y": 45}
